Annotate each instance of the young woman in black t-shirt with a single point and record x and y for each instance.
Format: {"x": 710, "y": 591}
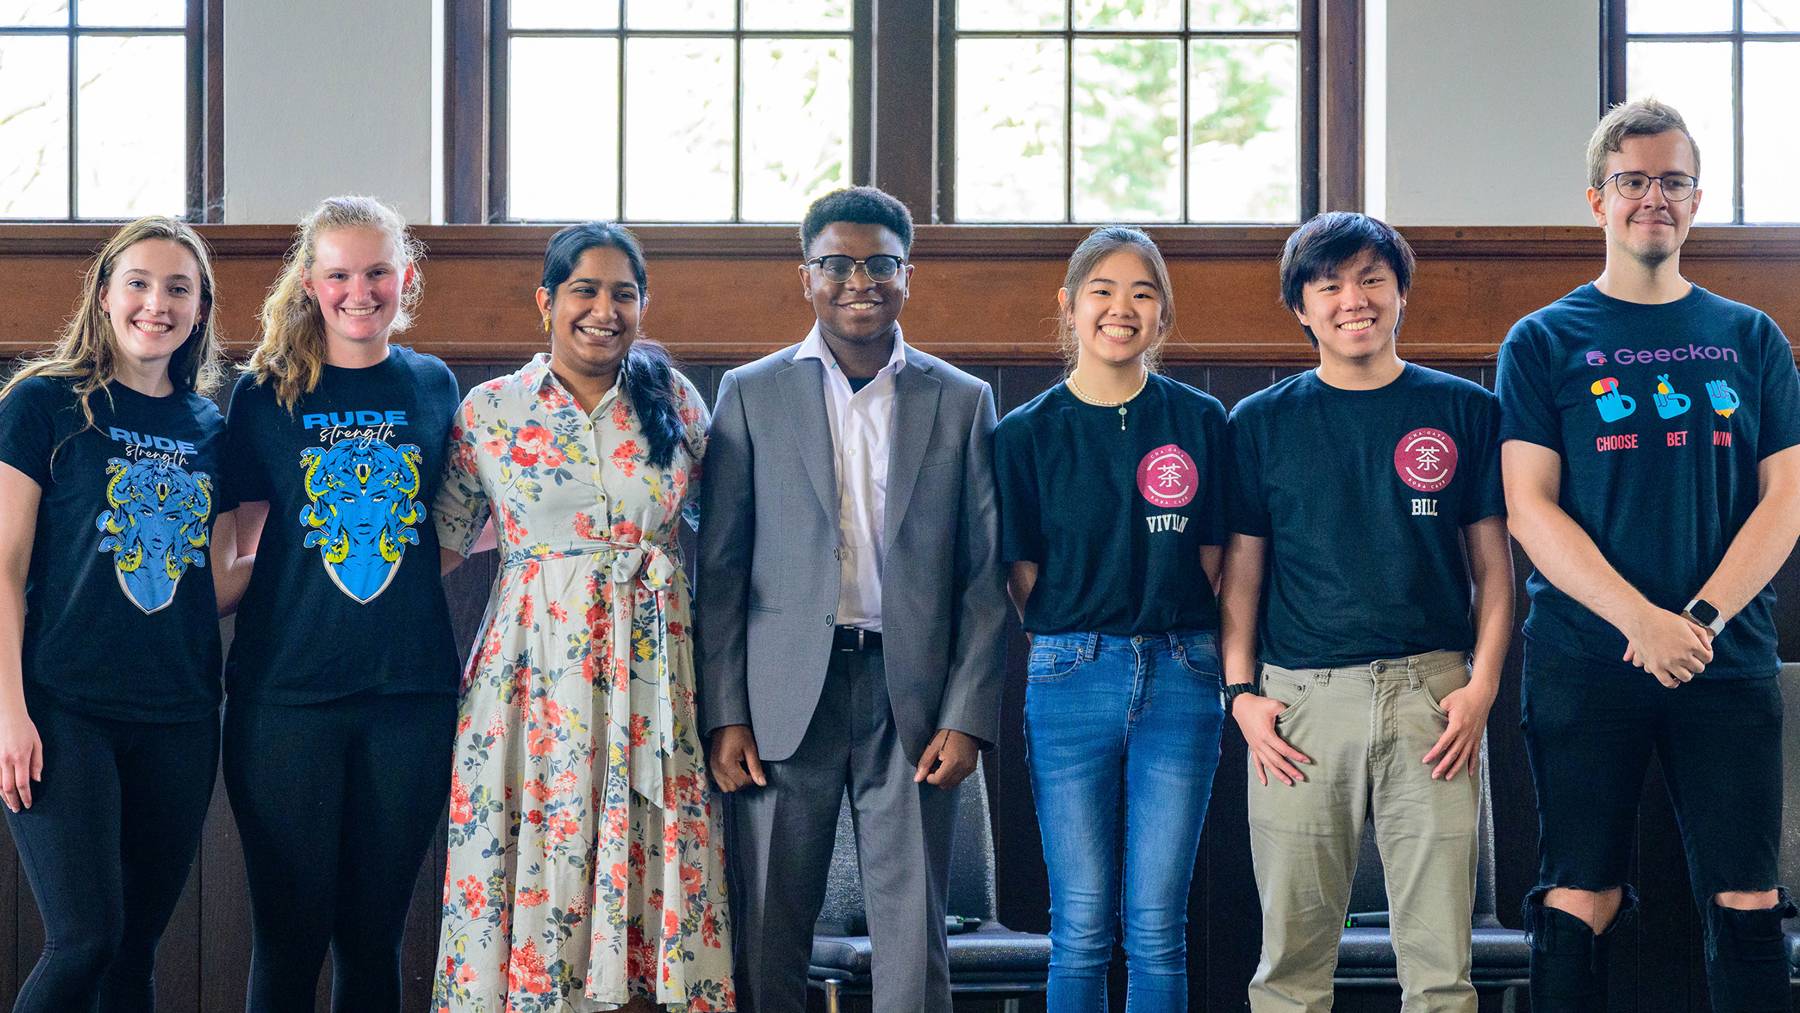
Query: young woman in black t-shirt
{"x": 1111, "y": 520}
{"x": 342, "y": 675}
{"x": 109, "y": 638}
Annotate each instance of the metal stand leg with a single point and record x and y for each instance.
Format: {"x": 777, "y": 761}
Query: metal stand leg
{"x": 1010, "y": 1006}
{"x": 831, "y": 997}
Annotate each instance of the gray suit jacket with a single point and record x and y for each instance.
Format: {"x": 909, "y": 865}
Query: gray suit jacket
{"x": 769, "y": 576}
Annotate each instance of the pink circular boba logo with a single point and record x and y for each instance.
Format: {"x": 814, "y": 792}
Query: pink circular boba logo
{"x": 1167, "y": 477}
{"x": 1426, "y": 459}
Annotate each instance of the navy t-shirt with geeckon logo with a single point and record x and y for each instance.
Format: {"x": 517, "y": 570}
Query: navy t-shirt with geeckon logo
{"x": 120, "y": 618}
{"x": 1114, "y": 515}
{"x": 345, "y": 597}
{"x": 1662, "y": 414}
{"x": 1363, "y": 496}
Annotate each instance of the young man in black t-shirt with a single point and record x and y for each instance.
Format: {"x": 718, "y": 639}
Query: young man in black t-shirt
{"x": 1368, "y": 492}
{"x": 1648, "y": 432}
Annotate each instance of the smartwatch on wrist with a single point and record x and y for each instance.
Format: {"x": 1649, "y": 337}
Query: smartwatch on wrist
{"x": 1701, "y": 612}
{"x": 1237, "y": 689}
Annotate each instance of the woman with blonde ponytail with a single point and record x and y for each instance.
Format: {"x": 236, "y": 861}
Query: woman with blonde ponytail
{"x": 109, "y": 459}
{"x": 342, "y": 677}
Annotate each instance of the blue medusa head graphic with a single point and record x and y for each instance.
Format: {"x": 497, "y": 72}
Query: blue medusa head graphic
{"x": 362, "y": 511}
{"x": 155, "y": 527}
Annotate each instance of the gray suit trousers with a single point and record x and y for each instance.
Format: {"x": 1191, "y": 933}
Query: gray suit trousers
{"x": 782, "y": 839}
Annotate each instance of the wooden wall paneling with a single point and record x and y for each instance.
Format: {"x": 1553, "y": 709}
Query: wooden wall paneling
{"x": 726, "y": 294}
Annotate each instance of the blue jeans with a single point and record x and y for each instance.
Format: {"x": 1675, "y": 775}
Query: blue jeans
{"x": 1121, "y": 726}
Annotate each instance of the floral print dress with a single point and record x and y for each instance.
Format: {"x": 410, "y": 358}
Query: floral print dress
{"x": 586, "y": 864}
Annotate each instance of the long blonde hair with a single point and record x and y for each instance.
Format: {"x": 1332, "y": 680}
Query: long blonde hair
{"x": 291, "y": 354}
{"x": 87, "y": 350}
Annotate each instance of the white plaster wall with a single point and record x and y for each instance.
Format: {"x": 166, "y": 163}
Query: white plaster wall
{"x": 1488, "y": 108}
{"x": 325, "y": 97}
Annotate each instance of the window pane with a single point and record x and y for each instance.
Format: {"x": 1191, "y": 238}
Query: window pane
{"x": 678, "y": 129}
{"x": 34, "y": 128}
{"x": 132, "y": 136}
{"x": 1204, "y": 14}
{"x": 680, "y": 14}
{"x": 1009, "y": 130}
{"x": 1677, "y": 16}
{"x": 1771, "y": 16}
{"x": 565, "y": 13}
{"x": 562, "y": 128}
{"x": 1127, "y": 129}
{"x": 796, "y": 142}
{"x": 1243, "y": 131}
{"x": 1771, "y": 147}
{"x": 34, "y": 13}
{"x": 1008, "y": 15}
{"x": 132, "y": 14}
{"x": 1159, "y": 15}
{"x": 789, "y": 15}
{"x": 1695, "y": 78}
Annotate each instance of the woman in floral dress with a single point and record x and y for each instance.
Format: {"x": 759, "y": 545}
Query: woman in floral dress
{"x": 586, "y": 864}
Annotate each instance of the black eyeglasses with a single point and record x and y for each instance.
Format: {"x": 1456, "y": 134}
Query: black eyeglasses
{"x": 1676, "y": 186}
{"x": 838, "y": 268}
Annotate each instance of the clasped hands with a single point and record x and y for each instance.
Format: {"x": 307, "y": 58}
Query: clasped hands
{"x": 1668, "y": 645}
{"x": 948, "y": 759}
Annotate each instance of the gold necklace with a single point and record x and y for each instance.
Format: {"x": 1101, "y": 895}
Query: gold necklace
{"x": 1084, "y": 398}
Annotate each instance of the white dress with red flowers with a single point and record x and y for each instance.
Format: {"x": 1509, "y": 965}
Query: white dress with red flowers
{"x": 586, "y": 864}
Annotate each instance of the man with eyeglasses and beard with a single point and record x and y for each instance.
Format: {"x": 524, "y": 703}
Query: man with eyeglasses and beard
{"x": 849, "y": 613}
{"x": 1649, "y": 432}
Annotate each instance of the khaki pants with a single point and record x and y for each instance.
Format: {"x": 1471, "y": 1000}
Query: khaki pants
{"x": 1366, "y": 729}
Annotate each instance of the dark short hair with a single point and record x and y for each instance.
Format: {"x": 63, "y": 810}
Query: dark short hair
{"x": 1332, "y": 239}
{"x": 861, "y": 205}
{"x": 567, "y": 246}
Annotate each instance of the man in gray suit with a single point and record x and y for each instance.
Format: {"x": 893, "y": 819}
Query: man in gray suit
{"x": 849, "y": 613}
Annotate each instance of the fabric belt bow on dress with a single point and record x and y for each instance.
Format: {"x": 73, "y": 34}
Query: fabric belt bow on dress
{"x": 635, "y": 564}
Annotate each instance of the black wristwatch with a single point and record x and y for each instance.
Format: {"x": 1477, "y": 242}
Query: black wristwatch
{"x": 1701, "y": 612}
{"x": 1237, "y": 689}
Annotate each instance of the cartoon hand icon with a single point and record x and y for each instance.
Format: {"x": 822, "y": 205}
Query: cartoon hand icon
{"x": 1724, "y": 399}
{"x": 1668, "y": 403}
{"x": 1612, "y": 404}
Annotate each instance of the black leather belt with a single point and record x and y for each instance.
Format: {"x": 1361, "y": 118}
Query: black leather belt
{"x": 854, "y": 638}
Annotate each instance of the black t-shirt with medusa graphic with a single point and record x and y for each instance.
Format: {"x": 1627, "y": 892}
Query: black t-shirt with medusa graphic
{"x": 345, "y": 596}
{"x": 120, "y": 618}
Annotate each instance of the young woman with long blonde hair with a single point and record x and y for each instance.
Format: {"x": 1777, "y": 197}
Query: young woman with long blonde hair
{"x": 342, "y": 677}
{"x": 109, "y": 463}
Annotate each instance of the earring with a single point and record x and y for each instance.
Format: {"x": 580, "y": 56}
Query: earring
{"x": 546, "y": 324}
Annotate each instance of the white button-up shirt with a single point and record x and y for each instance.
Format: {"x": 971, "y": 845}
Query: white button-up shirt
{"x": 862, "y": 424}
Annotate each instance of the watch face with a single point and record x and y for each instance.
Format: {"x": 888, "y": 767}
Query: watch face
{"x": 1704, "y": 612}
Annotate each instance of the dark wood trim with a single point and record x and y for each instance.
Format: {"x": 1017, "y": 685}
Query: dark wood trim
{"x": 214, "y": 188}
{"x": 863, "y": 88}
{"x": 1612, "y": 54}
{"x": 943, "y": 100}
{"x": 496, "y": 84}
{"x": 196, "y": 110}
{"x": 465, "y": 110}
{"x": 1312, "y": 64}
{"x": 904, "y": 53}
{"x": 1766, "y": 243}
{"x": 1340, "y": 130}
{"x": 725, "y": 293}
